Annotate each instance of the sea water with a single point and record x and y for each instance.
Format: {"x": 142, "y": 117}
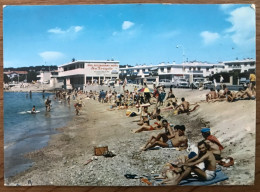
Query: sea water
{"x": 25, "y": 132}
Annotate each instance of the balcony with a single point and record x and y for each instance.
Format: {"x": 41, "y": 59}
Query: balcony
{"x": 236, "y": 67}
{"x": 195, "y": 71}
{"x": 78, "y": 71}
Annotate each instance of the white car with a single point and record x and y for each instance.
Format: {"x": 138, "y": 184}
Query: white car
{"x": 166, "y": 83}
{"x": 181, "y": 83}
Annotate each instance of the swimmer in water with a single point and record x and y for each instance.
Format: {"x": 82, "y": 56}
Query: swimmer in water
{"x": 33, "y": 111}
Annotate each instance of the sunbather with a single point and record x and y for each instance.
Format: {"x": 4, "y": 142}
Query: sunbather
{"x": 205, "y": 156}
{"x": 213, "y": 142}
{"x": 143, "y": 115}
{"x": 175, "y": 138}
{"x": 156, "y": 126}
{"x": 184, "y": 107}
{"x": 211, "y": 95}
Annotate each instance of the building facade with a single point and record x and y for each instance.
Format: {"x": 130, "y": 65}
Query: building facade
{"x": 188, "y": 70}
{"x": 79, "y": 73}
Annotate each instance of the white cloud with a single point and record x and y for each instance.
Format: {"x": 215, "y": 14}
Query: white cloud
{"x": 127, "y": 24}
{"x": 209, "y": 37}
{"x": 242, "y": 31}
{"x": 56, "y": 31}
{"x": 72, "y": 29}
{"x": 226, "y": 7}
{"x": 51, "y": 55}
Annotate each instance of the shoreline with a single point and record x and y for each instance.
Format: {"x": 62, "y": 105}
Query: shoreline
{"x": 64, "y": 157}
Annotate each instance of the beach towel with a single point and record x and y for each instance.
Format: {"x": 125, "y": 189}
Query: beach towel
{"x": 158, "y": 147}
{"x": 213, "y": 139}
{"x": 220, "y": 176}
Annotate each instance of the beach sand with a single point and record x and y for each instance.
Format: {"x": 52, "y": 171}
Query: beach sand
{"x": 62, "y": 162}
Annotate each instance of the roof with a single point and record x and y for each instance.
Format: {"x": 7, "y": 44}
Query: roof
{"x": 239, "y": 61}
{"x": 89, "y": 61}
{"x": 17, "y": 72}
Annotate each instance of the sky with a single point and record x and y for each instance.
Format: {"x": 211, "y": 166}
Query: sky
{"x": 133, "y": 34}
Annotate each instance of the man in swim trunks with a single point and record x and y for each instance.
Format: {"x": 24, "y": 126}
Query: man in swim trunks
{"x": 169, "y": 139}
{"x": 206, "y": 156}
{"x": 211, "y": 95}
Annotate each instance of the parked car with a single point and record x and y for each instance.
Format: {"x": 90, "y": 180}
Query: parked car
{"x": 165, "y": 83}
{"x": 111, "y": 83}
{"x": 243, "y": 81}
{"x": 181, "y": 83}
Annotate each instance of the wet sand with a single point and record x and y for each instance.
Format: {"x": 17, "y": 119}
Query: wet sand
{"x": 62, "y": 161}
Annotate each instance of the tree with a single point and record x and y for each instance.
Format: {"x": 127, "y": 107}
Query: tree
{"x": 32, "y": 76}
{"x": 6, "y": 79}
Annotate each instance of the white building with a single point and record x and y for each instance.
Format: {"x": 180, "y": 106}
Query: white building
{"x": 188, "y": 70}
{"x": 242, "y": 66}
{"x": 44, "y": 76}
{"x": 79, "y": 73}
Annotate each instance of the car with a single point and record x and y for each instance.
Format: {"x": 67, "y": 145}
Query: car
{"x": 165, "y": 83}
{"x": 181, "y": 83}
{"x": 207, "y": 82}
{"x": 111, "y": 83}
{"x": 243, "y": 81}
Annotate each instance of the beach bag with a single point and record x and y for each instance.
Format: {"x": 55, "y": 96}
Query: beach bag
{"x": 128, "y": 112}
{"x": 99, "y": 151}
{"x": 226, "y": 162}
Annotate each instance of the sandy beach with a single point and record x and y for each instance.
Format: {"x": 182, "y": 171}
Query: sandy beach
{"x": 62, "y": 162}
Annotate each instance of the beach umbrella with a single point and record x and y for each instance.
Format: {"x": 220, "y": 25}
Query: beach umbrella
{"x": 146, "y": 90}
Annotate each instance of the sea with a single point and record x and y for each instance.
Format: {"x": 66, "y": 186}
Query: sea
{"x": 25, "y": 132}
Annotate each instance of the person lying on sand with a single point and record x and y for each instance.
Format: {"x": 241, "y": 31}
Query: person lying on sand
{"x": 231, "y": 96}
{"x": 205, "y": 156}
{"x": 176, "y": 138}
{"x": 211, "y": 95}
{"x": 156, "y": 126}
{"x": 184, "y": 107}
{"x": 247, "y": 93}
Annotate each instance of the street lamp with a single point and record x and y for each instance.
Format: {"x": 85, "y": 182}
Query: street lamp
{"x": 182, "y": 55}
{"x": 178, "y": 46}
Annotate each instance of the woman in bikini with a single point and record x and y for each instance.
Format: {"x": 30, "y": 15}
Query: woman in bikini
{"x": 143, "y": 115}
{"x": 147, "y": 127}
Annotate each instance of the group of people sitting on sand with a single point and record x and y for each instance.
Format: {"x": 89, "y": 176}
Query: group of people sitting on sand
{"x": 202, "y": 163}
{"x": 245, "y": 93}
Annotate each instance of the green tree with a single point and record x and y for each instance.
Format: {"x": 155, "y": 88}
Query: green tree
{"x": 6, "y": 79}
{"x": 32, "y": 76}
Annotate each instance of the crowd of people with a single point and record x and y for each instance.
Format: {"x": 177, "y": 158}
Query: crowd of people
{"x": 138, "y": 102}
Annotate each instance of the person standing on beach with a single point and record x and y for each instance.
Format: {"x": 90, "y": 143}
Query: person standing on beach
{"x": 252, "y": 79}
{"x": 221, "y": 81}
{"x": 30, "y": 94}
{"x": 48, "y": 104}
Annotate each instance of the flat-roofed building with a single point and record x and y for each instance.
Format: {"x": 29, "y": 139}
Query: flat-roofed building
{"x": 79, "y": 73}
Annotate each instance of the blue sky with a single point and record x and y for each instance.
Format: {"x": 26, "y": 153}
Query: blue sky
{"x": 132, "y": 34}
